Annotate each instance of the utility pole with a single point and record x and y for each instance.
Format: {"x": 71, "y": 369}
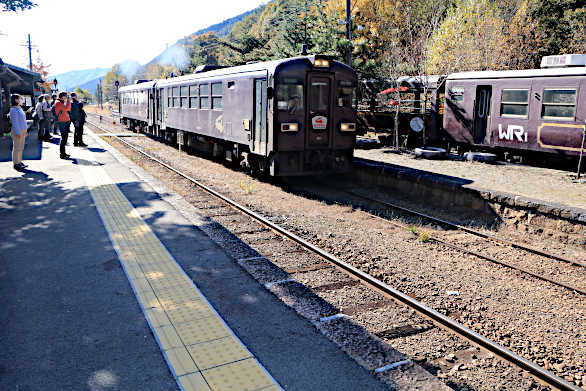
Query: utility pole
{"x": 30, "y": 55}
{"x": 348, "y": 33}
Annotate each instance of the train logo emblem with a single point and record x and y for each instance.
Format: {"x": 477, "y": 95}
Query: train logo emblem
{"x": 320, "y": 122}
{"x": 512, "y": 132}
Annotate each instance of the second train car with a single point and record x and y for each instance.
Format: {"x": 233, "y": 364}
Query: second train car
{"x": 293, "y": 116}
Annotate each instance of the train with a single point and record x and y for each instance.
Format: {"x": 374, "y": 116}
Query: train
{"x": 288, "y": 117}
{"x": 540, "y": 111}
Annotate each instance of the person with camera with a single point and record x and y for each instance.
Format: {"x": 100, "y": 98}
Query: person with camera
{"x": 62, "y": 108}
{"x": 76, "y": 117}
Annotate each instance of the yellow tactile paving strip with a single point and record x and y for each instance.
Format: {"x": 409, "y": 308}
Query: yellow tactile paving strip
{"x": 200, "y": 349}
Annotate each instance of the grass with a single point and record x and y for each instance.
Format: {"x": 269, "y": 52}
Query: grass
{"x": 423, "y": 237}
{"x": 247, "y": 187}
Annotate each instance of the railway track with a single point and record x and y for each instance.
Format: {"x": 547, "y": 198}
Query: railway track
{"x": 477, "y": 253}
{"x": 231, "y": 209}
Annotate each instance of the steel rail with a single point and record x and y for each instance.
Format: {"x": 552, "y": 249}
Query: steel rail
{"x": 474, "y": 253}
{"x": 488, "y": 258}
{"x": 442, "y": 320}
{"x": 470, "y": 230}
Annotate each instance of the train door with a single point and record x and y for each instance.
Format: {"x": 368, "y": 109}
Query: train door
{"x": 319, "y": 104}
{"x": 163, "y": 111}
{"x": 158, "y": 108}
{"x": 259, "y": 135}
{"x": 151, "y": 107}
{"x": 482, "y": 113}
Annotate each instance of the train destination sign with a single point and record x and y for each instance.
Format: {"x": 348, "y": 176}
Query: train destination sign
{"x": 319, "y": 122}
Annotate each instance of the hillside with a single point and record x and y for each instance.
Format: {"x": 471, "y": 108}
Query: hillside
{"x": 70, "y": 80}
{"x": 176, "y": 54}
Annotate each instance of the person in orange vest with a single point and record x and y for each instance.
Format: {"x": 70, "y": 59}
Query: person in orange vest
{"x": 62, "y": 109}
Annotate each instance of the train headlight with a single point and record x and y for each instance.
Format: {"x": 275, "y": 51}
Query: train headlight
{"x": 348, "y": 127}
{"x": 322, "y": 63}
{"x": 290, "y": 127}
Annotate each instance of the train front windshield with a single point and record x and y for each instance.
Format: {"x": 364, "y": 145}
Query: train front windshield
{"x": 290, "y": 96}
{"x": 320, "y": 96}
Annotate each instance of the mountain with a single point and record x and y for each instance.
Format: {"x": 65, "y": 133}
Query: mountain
{"x": 70, "y": 80}
{"x": 90, "y": 85}
{"x": 223, "y": 29}
{"x": 174, "y": 54}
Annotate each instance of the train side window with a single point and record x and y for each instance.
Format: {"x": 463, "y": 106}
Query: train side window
{"x": 176, "y": 97}
{"x": 457, "y": 94}
{"x": 169, "y": 97}
{"x": 184, "y": 96}
{"x": 559, "y": 104}
{"x": 290, "y": 95}
{"x": 515, "y": 103}
{"x": 346, "y": 96}
{"x": 193, "y": 103}
{"x": 216, "y": 96}
{"x": 204, "y": 93}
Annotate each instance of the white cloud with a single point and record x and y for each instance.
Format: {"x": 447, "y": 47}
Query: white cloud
{"x": 83, "y": 34}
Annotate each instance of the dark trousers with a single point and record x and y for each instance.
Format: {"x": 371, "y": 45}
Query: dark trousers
{"x": 78, "y": 135}
{"x": 64, "y": 129}
{"x": 45, "y": 129}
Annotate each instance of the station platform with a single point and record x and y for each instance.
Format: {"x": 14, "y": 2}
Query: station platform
{"x": 106, "y": 286}
{"x": 543, "y": 201}
{"x": 544, "y": 185}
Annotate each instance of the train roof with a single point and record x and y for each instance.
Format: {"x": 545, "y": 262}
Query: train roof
{"x": 138, "y": 86}
{"x": 270, "y": 66}
{"x": 527, "y": 73}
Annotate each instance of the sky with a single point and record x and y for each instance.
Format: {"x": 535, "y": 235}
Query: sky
{"x": 86, "y": 34}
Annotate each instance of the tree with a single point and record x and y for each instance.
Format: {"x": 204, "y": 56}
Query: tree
{"x": 83, "y": 94}
{"x": 562, "y": 23}
{"x": 110, "y": 90}
{"x": 523, "y": 37}
{"x": 99, "y": 94}
{"x": 16, "y": 5}
{"x": 43, "y": 70}
{"x": 471, "y": 37}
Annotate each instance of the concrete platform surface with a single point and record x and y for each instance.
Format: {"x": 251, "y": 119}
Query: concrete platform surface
{"x": 105, "y": 283}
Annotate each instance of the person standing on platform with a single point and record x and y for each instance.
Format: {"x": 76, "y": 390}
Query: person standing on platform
{"x": 41, "y": 114}
{"x": 18, "y": 132}
{"x": 76, "y": 114}
{"x": 54, "y": 116}
{"x": 62, "y": 108}
{"x": 47, "y": 115}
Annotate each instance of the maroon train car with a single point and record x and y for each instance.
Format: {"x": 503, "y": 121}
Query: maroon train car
{"x": 540, "y": 110}
{"x": 294, "y": 116}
